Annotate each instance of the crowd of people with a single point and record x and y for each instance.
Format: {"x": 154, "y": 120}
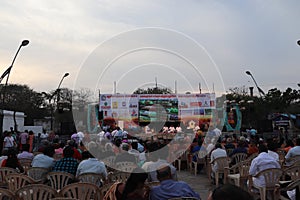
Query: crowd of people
{"x": 83, "y": 153}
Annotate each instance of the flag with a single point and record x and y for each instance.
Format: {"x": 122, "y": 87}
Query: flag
{"x": 5, "y": 73}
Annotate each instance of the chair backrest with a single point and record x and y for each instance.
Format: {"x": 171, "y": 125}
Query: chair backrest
{"x": 118, "y": 177}
{"x": 221, "y": 163}
{"x": 244, "y": 168}
{"x": 36, "y": 192}
{"x": 293, "y": 172}
{"x": 6, "y": 194}
{"x": 252, "y": 156}
{"x": 94, "y": 178}
{"x": 271, "y": 176}
{"x": 25, "y": 163}
{"x": 15, "y": 181}
{"x": 180, "y": 154}
{"x": 109, "y": 161}
{"x": 81, "y": 191}
{"x": 126, "y": 166}
{"x": 200, "y": 155}
{"x": 59, "y": 179}
{"x": 37, "y": 173}
{"x": 105, "y": 188}
{"x": 238, "y": 157}
{"x": 294, "y": 185}
{"x": 293, "y": 160}
{"x": 229, "y": 151}
{"x": 4, "y": 171}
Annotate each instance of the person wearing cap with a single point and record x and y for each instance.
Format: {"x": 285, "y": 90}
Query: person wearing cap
{"x": 170, "y": 188}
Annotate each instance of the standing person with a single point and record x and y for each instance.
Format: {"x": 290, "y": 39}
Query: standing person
{"x": 9, "y": 141}
{"x": 23, "y": 138}
{"x": 30, "y": 141}
{"x": 44, "y": 135}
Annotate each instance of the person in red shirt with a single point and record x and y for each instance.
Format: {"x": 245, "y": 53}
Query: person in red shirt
{"x": 77, "y": 154}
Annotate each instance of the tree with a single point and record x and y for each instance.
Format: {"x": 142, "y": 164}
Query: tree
{"x": 21, "y": 98}
{"x": 154, "y": 90}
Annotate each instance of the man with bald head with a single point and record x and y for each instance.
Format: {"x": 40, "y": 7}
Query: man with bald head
{"x": 170, "y": 188}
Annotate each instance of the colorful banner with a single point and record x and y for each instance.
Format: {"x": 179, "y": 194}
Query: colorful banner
{"x": 144, "y": 108}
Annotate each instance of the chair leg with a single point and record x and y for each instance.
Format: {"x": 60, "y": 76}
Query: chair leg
{"x": 179, "y": 165}
{"x": 196, "y": 169}
{"x": 262, "y": 192}
{"x": 217, "y": 178}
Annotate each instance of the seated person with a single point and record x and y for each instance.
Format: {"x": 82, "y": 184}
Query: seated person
{"x": 45, "y": 159}
{"x": 160, "y": 157}
{"x": 134, "y": 188}
{"x": 12, "y": 160}
{"x": 124, "y": 156}
{"x": 68, "y": 163}
{"x": 91, "y": 165}
{"x": 25, "y": 152}
{"x": 170, "y": 188}
{"x": 229, "y": 192}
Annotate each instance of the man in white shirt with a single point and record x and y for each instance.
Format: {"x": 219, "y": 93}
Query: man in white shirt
{"x": 272, "y": 150}
{"x": 91, "y": 165}
{"x": 261, "y": 162}
{"x": 45, "y": 159}
{"x": 9, "y": 141}
{"x": 25, "y": 152}
{"x": 217, "y": 153}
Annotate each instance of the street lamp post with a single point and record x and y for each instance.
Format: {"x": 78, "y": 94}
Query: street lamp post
{"x": 23, "y": 44}
{"x": 58, "y": 92}
{"x": 260, "y": 91}
{"x": 7, "y": 73}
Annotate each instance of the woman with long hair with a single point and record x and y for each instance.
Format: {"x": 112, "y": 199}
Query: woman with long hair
{"x": 12, "y": 160}
{"x": 134, "y": 188}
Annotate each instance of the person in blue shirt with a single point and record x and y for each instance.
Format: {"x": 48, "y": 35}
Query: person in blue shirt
{"x": 170, "y": 188}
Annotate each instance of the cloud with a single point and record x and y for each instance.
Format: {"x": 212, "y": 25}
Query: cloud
{"x": 256, "y": 35}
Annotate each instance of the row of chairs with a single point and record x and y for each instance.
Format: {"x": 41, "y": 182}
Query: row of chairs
{"x": 41, "y": 192}
{"x": 13, "y": 180}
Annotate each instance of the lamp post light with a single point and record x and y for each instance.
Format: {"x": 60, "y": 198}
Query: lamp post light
{"x": 298, "y": 42}
{"x": 58, "y": 88}
{"x": 7, "y": 73}
{"x": 57, "y": 91}
{"x": 260, "y": 91}
{"x": 23, "y": 44}
{"x": 8, "y": 70}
